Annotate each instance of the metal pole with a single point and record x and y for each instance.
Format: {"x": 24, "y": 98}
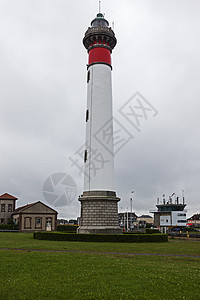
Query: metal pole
{"x": 127, "y": 219}
{"x": 131, "y": 214}
{"x": 124, "y": 221}
{"x": 131, "y": 200}
{"x": 99, "y": 6}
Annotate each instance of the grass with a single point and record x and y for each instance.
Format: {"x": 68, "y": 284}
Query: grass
{"x": 26, "y": 241}
{"x": 53, "y": 275}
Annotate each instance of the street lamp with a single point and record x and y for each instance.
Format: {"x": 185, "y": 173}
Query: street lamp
{"x": 131, "y": 202}
{"x": 127, "y": 220}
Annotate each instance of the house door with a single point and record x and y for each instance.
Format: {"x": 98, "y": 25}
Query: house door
{"x": 48, "y": 224}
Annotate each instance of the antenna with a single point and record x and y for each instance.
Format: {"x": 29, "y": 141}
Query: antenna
{"x": 183, "y": 196}
{"x": 113, "y": 25}
{"x": 99, "y": 6}
{"x": 163, "y": 198}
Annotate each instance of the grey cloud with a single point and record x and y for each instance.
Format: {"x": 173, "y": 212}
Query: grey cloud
{"x": 43, "y": 96}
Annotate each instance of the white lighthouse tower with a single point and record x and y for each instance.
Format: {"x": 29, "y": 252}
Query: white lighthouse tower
{"x": 99, "y": 204}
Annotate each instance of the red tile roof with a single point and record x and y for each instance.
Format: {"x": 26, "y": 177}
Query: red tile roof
{"x": 7, "y": 196}
{"x": 21, "y": 208}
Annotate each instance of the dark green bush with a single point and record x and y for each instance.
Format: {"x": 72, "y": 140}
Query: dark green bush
{"x": 148, "y": 225}
{"x": 118, "y": 238}
{"x": 151, "y": 230}
{"x": 9, "y": 227}
{"x": 67, "y": 228}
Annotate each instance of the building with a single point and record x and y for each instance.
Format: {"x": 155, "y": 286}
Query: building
{"x": 7, "y": 207}
{"x": 62, "y": 222}
{"x": 169, "y": 214}
{"x": 144, "y": 220}
{"x": 35, "y": 216}
{"x": 194, "y": 220}
{"x": 99, "y": 204}
{"x": 123, "y": 217}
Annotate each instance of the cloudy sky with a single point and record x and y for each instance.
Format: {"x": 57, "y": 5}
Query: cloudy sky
{"x": 43, "y": 97}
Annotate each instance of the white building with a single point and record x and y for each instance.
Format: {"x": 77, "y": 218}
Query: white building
{"x": 169, "y": 214}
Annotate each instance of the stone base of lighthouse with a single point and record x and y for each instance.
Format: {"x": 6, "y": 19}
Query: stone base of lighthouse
{"x": 99, "y": 212}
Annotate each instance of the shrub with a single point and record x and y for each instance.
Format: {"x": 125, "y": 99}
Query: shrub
{"x": 10, "y": 222}
{"x": 118, "y": 238}
{"x": 149, "y": 225}
{"x": 67, "y": 228}
{"x": 9, "y": 226}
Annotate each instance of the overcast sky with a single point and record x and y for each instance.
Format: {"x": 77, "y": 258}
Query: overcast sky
{"x": 43, "y": 97}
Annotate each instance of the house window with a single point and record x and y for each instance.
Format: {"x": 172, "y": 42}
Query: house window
{"x": 49, "y": 224}
{"x": 3, "y": 207}
{"x": 2, "y": 221}
{"x": 27, "y": 223}
{"x": 9, "y": 207}
{"x": 38, "y": 222}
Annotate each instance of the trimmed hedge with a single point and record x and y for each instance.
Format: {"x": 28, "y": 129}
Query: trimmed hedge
{"x": 9, "y": 227}
{"x": 67, "y": 228}
{"x": 118, "y": 238}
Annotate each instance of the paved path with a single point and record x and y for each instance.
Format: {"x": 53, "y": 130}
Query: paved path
{"x": 107, "y": 253}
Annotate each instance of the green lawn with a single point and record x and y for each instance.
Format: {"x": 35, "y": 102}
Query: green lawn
{"x": 53, "y": 275}
{"x": 26, "y": 241}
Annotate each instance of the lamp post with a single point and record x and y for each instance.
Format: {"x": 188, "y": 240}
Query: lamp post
{"x": 131, "y": 202}
{"x": 127, "y": 220}
{"x": 124, "y": 221}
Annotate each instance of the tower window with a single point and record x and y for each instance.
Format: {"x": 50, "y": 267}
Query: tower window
{"x": 87, "y": 115}
{"x": 182, "y": 221}
{"x": 85, "y": 156}
{"x": 88, "y": 76}
{"x": 9, "y": 207}
{"x": 3, "y": 207}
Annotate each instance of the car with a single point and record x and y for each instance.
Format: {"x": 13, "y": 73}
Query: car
{"x": 176, "y": 229}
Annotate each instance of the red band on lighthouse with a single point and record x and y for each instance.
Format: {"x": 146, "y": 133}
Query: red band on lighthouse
{"x": 99, "y": 54}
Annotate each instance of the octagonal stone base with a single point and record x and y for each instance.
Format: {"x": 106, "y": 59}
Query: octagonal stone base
{"x": 99, "y": 212}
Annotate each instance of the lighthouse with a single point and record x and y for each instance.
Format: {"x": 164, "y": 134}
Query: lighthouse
{"x": 99, "y": 203}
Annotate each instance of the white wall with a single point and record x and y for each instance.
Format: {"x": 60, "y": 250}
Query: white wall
{"x": 99, "y": 168}
{"x": 178, "y": 216}
{"x": 165, "y": 220}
